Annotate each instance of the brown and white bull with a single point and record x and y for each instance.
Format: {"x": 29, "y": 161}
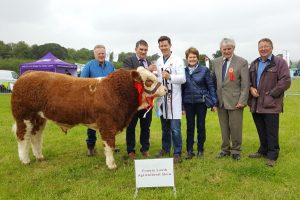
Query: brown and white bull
{"x": 106, "y": 105}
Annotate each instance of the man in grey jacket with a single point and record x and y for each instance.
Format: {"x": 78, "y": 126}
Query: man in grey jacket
{"x": 231, "y": 76}
{"x": 269, "y": 78}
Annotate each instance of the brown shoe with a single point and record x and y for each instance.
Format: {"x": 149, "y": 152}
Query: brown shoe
{"x": 270, "y": 163}
{"x": 256, "y": 155}
{"x": 146, "y": 154}
{"x": 162, "y": 153}
{"x": 131, "y": 155}
{"x": 177, "y": 159}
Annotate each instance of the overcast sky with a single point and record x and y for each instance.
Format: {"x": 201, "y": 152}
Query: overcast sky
{"x": 118, "y": 24}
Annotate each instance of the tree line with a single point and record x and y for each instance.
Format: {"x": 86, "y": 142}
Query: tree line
{"x": 21, "y": 50}
{"x": 13, "y": 54}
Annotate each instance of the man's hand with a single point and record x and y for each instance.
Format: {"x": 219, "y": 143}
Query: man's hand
{"x": 254, "y": 92}
{"x": 239, "y": 105}
{"x": 166, "y": 75}
{"x": 214, "y": 109}
{"x": 152, "y": 68}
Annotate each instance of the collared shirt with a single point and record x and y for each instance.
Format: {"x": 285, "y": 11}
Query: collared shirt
{"x": 165, "y": 59}
{"x": 144, "y": 61}
{"x": 192, "y": 69}
{"x": 261, "y": 67}
{"x": 94, "y": 69}
{"x": 228, "y": 63}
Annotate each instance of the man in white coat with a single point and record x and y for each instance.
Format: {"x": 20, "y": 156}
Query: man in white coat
{"x": 170, "y": 71}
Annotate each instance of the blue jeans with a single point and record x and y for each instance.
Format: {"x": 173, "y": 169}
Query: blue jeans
{"x": 91, "y": 139}
{"x": 192, "y": 110}
{"x": 171, "y": 128}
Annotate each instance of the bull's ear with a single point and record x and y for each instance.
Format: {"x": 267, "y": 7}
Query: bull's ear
{"x": 136, "y": 76}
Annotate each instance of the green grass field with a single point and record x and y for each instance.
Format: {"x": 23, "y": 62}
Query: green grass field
{"x": 67, "y": 173}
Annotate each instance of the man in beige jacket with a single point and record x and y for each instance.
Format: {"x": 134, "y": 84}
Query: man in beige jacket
{"x": 231, "y": 76}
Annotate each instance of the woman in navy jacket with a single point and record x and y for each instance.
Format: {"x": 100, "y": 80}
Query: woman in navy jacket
{"x": 198, "y": 84}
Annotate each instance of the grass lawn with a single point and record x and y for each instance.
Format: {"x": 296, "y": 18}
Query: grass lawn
{"x": 67, "y": 173}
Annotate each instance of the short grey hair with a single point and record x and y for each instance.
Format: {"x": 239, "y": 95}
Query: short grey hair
{"x": 227, "y": 41}
{"x": 142, "y": 43}
{"x": 99, "y": 46}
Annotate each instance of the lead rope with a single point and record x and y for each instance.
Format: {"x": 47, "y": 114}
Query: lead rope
{"x": 172, "y": 100}
{"x": 165, "y": 96}
{"x": 150, "y": 101}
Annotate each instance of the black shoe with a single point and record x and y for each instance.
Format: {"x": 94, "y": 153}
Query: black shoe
{"x": 117, "y": 150}
{"x": 236, "y": 157}
{"x": 190, "y": 155}
{"x": 200, "y": 154}
{"x": 91, "y": 150}
{"x": 222, "y": 155}
{"x": 162, "y": 153}
{"x": 270, "y": 163}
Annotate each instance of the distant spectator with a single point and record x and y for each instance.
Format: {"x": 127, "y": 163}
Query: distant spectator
{"x": 296, "y": 73}
{"x": 67, "y": 72}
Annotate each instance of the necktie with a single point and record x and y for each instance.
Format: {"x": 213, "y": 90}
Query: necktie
{"x": 141, "y": 61}
{"x": 224, "y": 67}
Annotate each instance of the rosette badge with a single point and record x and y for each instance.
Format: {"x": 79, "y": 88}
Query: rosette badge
{"x": 231, "y": 73}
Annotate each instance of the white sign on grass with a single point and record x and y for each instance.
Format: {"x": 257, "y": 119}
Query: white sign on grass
{"x": 154, "y": 173}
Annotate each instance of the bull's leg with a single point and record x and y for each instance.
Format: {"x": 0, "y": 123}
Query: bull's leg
{"x": 109, "y": 154}
{"x": 37, "y": 139}
{"x": 109, "y": 144}
{"x": 23, "y": 129}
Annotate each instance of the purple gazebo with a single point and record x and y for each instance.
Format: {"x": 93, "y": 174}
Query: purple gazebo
{"x": 51, "y": 64}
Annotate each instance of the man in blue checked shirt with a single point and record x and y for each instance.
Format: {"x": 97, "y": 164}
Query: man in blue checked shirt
{"x": 96, "y": 68}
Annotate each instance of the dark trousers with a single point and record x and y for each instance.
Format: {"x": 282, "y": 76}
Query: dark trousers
{"x": 91, "y": 137}
{"x": 144, "y": 131}
{"x": 267, "y": 126}
{"x": 191, "y": 111}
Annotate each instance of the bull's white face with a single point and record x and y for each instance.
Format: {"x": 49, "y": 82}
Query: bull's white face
{"x": 152, "y": 87}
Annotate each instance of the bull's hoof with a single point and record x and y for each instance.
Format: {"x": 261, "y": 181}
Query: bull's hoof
{"x": 112, "y": 166}
{"x": 25, "y": 162}
{"x": 40, "y": 158}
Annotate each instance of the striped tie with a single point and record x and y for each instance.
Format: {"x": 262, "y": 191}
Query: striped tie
{"x": 224, "y": 67}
